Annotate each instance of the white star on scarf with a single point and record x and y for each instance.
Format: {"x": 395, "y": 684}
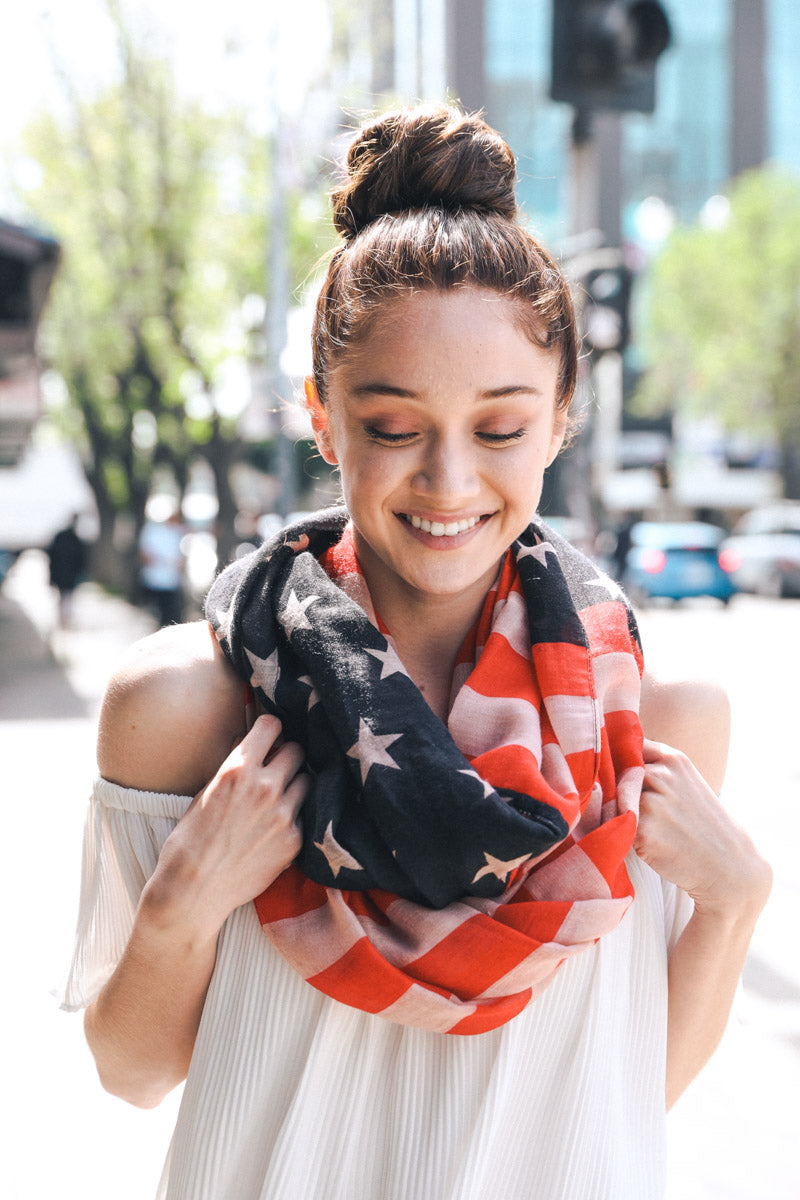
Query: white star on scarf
{"x": 336, "y": 855}
{"x": 266, "y": 672}
{"x": 487, "y": 787}
{"x": 390, "y": 663}
{"x": 496, "y": 866}
{"x": 313, "y": 695}
{"x": 603, "y": 581}
{"x": 539, "y": 552}
{"x": 294, "y": 616}
{"x": 371, "y": 749}
{"x": 223, "y": 623}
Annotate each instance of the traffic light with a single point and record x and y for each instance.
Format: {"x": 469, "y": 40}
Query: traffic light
{"x": 603, "y": 283}
{"x": 605, "y": 53}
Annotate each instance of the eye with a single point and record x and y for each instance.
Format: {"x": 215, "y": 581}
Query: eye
{"x": 499, "y": 438}
{"x": 383, "y": 435}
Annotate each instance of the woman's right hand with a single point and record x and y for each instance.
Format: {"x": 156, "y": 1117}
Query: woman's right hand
{"x": 238, "y": 834}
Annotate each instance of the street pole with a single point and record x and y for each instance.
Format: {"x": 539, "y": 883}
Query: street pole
{"x": 607, "y": 419}
{"x": 433, "y": 51}
{"x": 276, "y": 283}
{"x": 406, "y": 45}
{"x": 595, "y": 175}
{"x": 748, "y": 124}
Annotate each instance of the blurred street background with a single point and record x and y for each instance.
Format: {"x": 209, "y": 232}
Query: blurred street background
{"x": 164, "y": 171}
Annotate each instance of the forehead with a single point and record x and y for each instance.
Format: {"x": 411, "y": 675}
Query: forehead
{"x": 461, "y": 327}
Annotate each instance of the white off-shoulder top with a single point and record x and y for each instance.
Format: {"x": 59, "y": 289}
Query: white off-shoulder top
{"x": 291, "y": 1094}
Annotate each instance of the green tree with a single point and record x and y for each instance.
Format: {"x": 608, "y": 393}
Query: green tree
{"x": 161, "y": 209}
{"x": 723, "y": 333}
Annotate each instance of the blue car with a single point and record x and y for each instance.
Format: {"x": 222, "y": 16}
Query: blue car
{"x": 677, "y": 560}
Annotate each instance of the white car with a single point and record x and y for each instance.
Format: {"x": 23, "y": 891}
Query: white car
{"x": 763, "y": 552}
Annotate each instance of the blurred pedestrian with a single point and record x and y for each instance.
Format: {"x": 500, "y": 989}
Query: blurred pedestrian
{"x": 68, "y": 556}
{"x": 624, "y": 541}
{"x": 247, "y": 533}
{"x": 448, "y": 803}
{"x": 163, "y": 567}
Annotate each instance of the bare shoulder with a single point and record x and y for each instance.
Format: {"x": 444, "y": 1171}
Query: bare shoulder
{"x": 171, "y": 712}
{"x": 692, "y": 715}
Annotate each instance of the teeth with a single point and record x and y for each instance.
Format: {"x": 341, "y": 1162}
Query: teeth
{"x": 439, "y": 529}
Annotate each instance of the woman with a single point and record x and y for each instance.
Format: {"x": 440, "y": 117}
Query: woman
{"x": 480, "y": 975}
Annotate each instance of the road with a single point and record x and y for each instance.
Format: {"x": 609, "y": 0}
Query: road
{"x": 733, "y": 1136}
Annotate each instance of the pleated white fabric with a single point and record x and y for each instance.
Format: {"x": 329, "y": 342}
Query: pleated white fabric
{"x": 293, "y": 1094}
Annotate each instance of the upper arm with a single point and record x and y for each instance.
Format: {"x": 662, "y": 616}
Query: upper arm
{"x": 171, "y": 712}
{"x": 692, "y": 715}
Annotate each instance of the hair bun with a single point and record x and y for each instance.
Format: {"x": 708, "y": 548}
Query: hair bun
{"x": 424, "y": 157}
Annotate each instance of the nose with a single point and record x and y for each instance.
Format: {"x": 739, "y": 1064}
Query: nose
{"x": 448, "y": 472}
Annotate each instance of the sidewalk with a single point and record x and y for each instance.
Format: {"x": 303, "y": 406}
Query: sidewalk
{"x": 66, "y": 1139}
{"x": 54, "y": 672}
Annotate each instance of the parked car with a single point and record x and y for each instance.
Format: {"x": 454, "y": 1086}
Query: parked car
{"x": 676, "y": 560}
{"x": 763, "y": 552}
{"x": 7, "y": 558}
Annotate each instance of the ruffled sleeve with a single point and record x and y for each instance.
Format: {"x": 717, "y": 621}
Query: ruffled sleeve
{"x": 125, "y": 830}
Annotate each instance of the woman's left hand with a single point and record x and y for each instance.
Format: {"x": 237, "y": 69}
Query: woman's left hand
{"x": 687, "y": 837}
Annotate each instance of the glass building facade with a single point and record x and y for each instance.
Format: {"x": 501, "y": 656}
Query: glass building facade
{"x": 680, "y": 153}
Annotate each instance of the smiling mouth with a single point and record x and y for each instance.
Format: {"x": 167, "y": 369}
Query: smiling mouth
{"x": 441, "y": 528}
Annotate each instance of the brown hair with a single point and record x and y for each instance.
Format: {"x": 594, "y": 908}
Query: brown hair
{"x": 429, "y": 203}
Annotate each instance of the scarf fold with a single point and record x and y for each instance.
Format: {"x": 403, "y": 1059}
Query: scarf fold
{"x": 446, "y": 871}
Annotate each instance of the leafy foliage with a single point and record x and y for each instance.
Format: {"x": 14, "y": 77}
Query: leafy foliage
{"x": 724, "y": 321}
{"x": 162, "y": 211}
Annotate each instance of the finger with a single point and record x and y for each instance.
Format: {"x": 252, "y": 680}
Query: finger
{"x": 286, "y": 761}
{"x": 656, "y": 782}
{"x": 259, "y": 741}
{"x": 653, "y": 751}
{"x": 296, "y": 793}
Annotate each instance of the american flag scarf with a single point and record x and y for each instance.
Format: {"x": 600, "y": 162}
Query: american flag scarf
{"x": 447, "y": 871}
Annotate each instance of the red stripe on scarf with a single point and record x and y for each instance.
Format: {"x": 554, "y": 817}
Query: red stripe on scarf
{"x": 345, "y": 979}
{"x": 458, "y": 965}
{"x": 491, "y": 1016}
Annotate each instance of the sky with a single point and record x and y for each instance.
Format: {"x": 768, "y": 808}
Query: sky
{"x": 221, "y": 50}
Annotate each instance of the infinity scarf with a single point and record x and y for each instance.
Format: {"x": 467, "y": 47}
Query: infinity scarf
{"x": 446, "y": 872}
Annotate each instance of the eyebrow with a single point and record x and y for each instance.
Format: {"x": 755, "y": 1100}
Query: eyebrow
{"x": 511, "y": 389}
{"x": 382, "y": 389}
{"x": 388, "y": 389}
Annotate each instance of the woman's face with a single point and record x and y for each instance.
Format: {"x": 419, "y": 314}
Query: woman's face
{"x": 442, "y": 420}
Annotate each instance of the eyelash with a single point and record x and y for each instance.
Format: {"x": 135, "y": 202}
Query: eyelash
{"x": 399, "y": 439}
{"x": 503, "y": 437}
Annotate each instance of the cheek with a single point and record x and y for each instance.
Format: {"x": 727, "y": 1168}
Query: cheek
{"x": 528, "y": 465}
{"x": 360, "y": 474}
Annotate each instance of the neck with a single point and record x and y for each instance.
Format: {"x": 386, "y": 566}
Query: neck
{"x": 428, "y": 632}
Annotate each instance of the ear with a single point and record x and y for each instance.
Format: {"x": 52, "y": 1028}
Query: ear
{"x": 557, "y": 436}
{"x": 320, "y": 421}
